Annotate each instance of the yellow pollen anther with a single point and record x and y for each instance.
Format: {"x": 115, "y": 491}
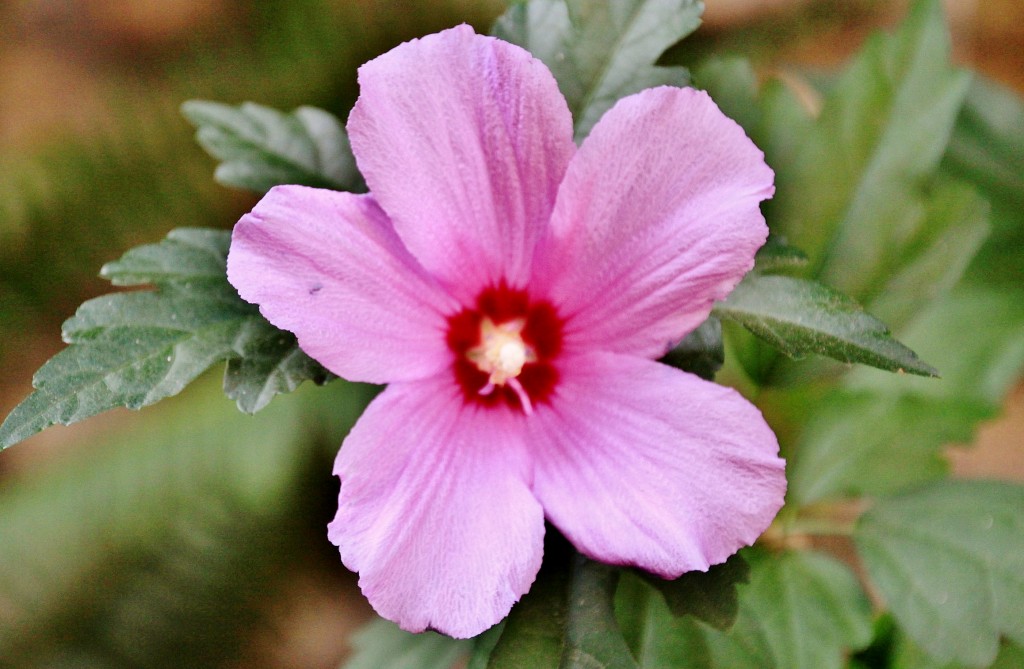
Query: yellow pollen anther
{"x": 502, "y": 353}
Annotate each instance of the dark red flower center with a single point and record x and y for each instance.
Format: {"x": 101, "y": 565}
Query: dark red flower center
{"x": 505, "y": 347}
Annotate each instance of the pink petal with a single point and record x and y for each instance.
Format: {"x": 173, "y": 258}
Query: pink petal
{"x": 329, "y": 267}
{"x": 641, "y": 464}
{"x": 435, "y": 512}
{"x": 463, "y": 139}
{"x": 657, "y": 218}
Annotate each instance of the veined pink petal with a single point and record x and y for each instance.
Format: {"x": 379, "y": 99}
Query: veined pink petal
{"x": 463, "y": 139}
{"x": 435, "y": 511}
{"x": 638, "y": 463}
{"x": 329, "y": 267}
{"x": 657, "y": 218}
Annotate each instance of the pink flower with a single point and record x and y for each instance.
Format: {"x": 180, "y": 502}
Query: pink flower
{"x": 514, "y": 293}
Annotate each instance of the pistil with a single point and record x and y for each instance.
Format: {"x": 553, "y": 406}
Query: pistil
{"x": 501, "y": 355}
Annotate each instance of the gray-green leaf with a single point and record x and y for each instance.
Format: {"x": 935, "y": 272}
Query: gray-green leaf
{"x": 799, "y": 316}
{"x": 949, "y": 561}
{"x": 261, "y": 147}
{"x": 135, "y": 348}
{"x": 602, "y": 51}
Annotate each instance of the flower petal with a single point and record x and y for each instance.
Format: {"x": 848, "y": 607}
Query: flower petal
{"x": 435, "y": 511}
{"x": 463, "y": 139}
{"x": 329, "y": 267}
{"x": 639, "y": 463}
{"x": 657, "y": 218}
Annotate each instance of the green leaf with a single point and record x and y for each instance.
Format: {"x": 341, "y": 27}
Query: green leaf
{"x": 593, "y": 638}
{"x": 543, "y": 28}
{"x": 132, "y": 349}
{"x": 1011, "y": 656}
{"x": 382, "y": 645}
{"x": 801, "y": 610}
{"x": 799, "y": 316}
{"x": 271, "y": 363}
{"x": 908, "y": 655}
{"x": 976, "y": 334}
{"x": 701, "y": 352}
{"x": 772, "y": 115}
{"x": 260, "y": 147}
{"x": 708, "y": 596}
{"x": 933, "y": 262}
{"x": 483, "y": 646}
{"x": 657, "y": 638}
{"x": 600, "y": 52}
{"x": 855, "y": 198}
{"x": 566, "y": 621}
{"x": 534, "y": 634}
{"x": 882, "y": 432}
{"x": 987, "y": 146}
{"x": 987, "y": 149}
{"x": 867, "y": 443}
{"x": 949, "y": 561}
{"x": 776, "y": 255}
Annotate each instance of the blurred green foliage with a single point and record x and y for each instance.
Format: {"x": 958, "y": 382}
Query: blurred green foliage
{"x": 166, "y": 545}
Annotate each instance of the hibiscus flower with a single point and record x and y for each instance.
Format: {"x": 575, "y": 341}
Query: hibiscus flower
{"x": 514, "y": 293}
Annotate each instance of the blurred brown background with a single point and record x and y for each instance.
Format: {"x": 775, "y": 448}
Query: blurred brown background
{"x": 84, "y": 75}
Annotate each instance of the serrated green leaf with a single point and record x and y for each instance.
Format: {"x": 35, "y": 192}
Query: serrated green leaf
{"x": 270, "y": 363}
{"x": 600, "y": 52}
{"x": 949, "y": 561}
{"x": 855, "y": 198}
{"x": 260, "y": 147}
{"x": 187, "y": 254}
{"x": 133, "y": 349}
{"x": 708, "y": 596}
{"x": 799, "y": 316}
{"x": 381, "y": 644}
